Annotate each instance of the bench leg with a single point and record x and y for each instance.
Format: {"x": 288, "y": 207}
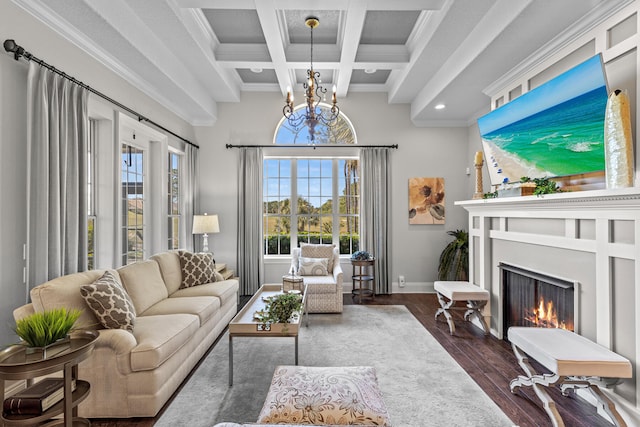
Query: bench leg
{"x": 604, "y": 403}
{"x": 474, "y": 308}
{"x": 444, "y": 309}
{"x": 536, "y": 382}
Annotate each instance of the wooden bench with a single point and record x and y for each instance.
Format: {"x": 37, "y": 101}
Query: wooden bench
{"x": 574, "y": 362}
{"x": 449, "y": 292}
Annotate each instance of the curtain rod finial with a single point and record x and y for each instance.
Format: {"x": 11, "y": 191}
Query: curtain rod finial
{"x": 11, "y": 47}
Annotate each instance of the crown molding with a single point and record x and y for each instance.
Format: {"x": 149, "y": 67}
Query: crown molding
{"x": 593, "y": 19}
{"x": 47, "y": 16}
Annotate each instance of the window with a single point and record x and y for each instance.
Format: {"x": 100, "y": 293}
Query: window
{"x": 91, "y": 194}
{"x": 299, "y": 193}
{"x": 173, "y": 198}
{"x": 132, "y": 182}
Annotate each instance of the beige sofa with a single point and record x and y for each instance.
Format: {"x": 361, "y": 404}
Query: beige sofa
{"x": 133, "y": 374}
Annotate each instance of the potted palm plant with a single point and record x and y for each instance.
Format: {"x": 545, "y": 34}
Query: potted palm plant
{"x": 454, "y": 259}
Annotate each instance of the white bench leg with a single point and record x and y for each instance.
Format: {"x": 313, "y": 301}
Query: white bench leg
{"x": 604, "y": 403}
{"x": 536, "y": 381}
{"x": 444, "y": 309}
{"x": 473, "y": 308}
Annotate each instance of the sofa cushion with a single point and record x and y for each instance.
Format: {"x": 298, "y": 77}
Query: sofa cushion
{"x": 144, "y": 284}
{"x": 197, "y": 269}
{"x": 109, "y": 302}
{"x": 159, "y": 337}
{"x": 169, "y": 263}
{"x": 313, "y": 266}
{"x": 311, "y": 250}
{"x": 204, "y": 307}
{"x": 64, "y": 292}
{"x": 225, "y": 290}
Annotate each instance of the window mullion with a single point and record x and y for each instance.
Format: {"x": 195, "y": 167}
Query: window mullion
{"x": 294, "y": 203}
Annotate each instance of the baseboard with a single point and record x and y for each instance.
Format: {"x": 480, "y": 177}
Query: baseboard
{"x": 409, "y": 288}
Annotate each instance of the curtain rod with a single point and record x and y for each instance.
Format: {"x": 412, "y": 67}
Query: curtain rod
{"x": 18, "y": 51}
{"x": 314, "y": 146}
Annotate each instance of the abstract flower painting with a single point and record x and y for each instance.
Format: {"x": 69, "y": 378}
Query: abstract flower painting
{"x": 426, "y": 201}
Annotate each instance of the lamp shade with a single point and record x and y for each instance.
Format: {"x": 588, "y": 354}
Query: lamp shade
{"x": 205, "y": 224}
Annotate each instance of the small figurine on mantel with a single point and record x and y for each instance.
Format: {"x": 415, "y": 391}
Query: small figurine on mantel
{"x": 479, "y": 161}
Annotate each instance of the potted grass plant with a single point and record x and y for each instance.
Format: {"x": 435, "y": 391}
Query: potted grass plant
{"x": 454, "y": 259}
{"x": 42, "y": 329}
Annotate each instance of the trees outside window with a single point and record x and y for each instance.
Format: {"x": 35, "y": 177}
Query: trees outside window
{"x": 299, "y": 193}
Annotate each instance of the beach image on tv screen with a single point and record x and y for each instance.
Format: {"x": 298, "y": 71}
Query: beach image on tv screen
{"x": 556, "y": 129}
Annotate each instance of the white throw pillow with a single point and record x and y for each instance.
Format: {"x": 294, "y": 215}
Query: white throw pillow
{"x": 313, "y": 266}
{"x": 314, "y": 250}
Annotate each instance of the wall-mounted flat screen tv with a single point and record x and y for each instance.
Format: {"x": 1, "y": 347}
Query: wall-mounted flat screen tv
{"x": 554, "y": 130}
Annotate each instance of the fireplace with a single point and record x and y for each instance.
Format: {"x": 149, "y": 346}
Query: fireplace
{"x": 537, "y": 300}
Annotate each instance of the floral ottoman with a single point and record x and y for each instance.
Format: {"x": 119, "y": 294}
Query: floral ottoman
{"x": 324, "y": 395}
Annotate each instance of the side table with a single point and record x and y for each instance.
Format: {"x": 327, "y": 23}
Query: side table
{"x": 16, "y": 364}
{"x": 364, "y": 276}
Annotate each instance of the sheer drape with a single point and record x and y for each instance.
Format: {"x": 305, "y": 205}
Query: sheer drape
{"x": 250, "y": 266}
{"x": 191, "y": 203}
{"x": 374, "y": 214}
{"x": 57, "y": 140}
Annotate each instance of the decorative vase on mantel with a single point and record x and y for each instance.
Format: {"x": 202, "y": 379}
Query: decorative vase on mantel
{"x": 618, "y": 141}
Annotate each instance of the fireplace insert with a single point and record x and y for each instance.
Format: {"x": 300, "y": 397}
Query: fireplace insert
{"x": 535, "y": 299}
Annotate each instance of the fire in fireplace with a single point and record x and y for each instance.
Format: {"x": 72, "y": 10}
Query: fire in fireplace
{"x": 536, "y": 300}
{"x": 545, "y": 315}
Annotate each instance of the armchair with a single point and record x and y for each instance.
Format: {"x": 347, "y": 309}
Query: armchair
{"x": 324, "y": 291}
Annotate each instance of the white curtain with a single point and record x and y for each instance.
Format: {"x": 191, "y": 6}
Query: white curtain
{"x": 250, "y": 266}
{"x": 190, "y": 192}
{"x": 57, "y": 138}
{"x": 375, "y": 212}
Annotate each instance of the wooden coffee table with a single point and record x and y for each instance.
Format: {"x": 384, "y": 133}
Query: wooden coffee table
{"x": 245, "y": 325}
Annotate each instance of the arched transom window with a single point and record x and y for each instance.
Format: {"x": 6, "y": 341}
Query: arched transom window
{"x": 311, "y": 197}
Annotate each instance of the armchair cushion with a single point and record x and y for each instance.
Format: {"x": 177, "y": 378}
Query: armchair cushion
{"x": 311, "y": 250}
{"x": 313, "y": 266}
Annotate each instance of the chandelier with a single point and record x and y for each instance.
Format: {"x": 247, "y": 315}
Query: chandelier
{"x": 314, "y": 93}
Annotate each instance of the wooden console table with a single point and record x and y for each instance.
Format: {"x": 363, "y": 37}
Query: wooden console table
{"x": 17, "y": 364}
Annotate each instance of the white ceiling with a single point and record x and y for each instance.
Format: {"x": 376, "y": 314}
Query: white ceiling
{"x": 190, "y": 55}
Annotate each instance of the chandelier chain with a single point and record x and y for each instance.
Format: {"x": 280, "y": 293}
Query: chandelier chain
{"x": 312, "y": 114}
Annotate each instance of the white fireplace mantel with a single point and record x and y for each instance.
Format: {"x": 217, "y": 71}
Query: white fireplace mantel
{"x": 596, "y": 199}
{"x": 590, "y": 237}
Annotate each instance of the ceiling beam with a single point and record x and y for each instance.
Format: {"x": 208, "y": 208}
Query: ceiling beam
{"x": 493, "y": 23}
{"x": 267, "y": 13}
{"x": 314, "y": 4}
{"x": 350, "y": 41}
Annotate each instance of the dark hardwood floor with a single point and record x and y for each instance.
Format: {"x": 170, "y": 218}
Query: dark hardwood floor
{"x": 489, "y": 361}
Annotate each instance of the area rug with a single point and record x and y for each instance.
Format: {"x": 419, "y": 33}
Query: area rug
{"x": 421, "y": 384}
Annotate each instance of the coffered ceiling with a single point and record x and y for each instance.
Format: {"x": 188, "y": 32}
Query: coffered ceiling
{"x": 190, "y": 55}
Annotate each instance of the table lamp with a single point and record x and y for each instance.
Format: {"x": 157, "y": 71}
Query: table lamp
{"x": 205, "y": 224}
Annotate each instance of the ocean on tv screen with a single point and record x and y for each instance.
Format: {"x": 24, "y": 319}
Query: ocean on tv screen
{"x": 565, "y": 136}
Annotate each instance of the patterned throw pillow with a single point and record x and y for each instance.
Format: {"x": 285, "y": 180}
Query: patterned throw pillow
{"x": 312, "y": 250}
{"x": 313, "y": 266}
{"x": 109, "y": 301}
{"x": 311, "y": 395}
{"x": 197, "y": 269}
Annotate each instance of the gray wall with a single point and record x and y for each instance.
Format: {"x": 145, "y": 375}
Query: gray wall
{"x": 423, "y": 152}
{"x": 39, "y": 40}
{"x": 13, "y": 176}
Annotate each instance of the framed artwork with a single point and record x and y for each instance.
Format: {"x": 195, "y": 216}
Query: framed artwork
{"x": 426, "y": 201}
